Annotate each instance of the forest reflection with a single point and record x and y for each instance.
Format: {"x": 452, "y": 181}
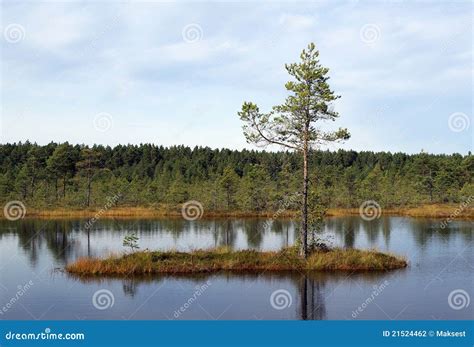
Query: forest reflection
{"x": 309, "y": 291}
{"x": 67, "y": 239}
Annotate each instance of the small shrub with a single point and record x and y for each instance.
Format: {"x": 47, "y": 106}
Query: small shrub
{"x": 131, "y": 241}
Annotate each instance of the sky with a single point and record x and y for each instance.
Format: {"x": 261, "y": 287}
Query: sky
{"x": 175, "y": 73}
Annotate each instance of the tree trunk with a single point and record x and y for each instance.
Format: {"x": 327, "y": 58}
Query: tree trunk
{"x": 304, "y": 212}
{"x": 56, "y": 188}
{"x": 88, "y": 242}
{"x": 431, "y": 187}
{"x": 304, "y": 297}
{"x": 89, "y": 184}
{"x": 33, "y": 184}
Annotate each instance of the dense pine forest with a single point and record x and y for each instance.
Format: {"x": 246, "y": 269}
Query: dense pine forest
{"x": 78, "y": 176}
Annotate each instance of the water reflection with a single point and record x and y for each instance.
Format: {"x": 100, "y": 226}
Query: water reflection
{"x": 65, "y": 240}
{"x": 309, "y": 292}
{"x": 32, "y": 248}
{"x": 312, "y": 306}
{"x": 130, "y": 287}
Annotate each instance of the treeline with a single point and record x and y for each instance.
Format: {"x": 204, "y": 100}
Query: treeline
{"x": 65, "y": 175}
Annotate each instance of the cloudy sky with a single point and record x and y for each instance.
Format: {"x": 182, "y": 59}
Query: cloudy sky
{"x": 178, "y": 72}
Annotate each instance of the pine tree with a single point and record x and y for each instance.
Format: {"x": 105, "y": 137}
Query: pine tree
{"x": 229, "y": 182}
{"x": 88, "y": 167}
{"x": 295, "y": 123}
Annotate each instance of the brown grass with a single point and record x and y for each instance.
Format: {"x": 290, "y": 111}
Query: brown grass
{"x": 434, "y": 211}
{"x": 142, "y": 212}
{"x": 452, "y": 211}
{"x": 224, "y": 259}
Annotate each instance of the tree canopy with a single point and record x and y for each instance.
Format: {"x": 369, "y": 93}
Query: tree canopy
{"x": 222, "y": 179}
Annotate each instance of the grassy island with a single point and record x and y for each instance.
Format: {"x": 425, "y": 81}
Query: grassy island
{"x": 224, "y": 259}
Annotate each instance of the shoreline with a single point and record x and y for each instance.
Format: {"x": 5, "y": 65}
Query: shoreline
{"x": 447, "y": 211}
{"x": 224, "y": 259}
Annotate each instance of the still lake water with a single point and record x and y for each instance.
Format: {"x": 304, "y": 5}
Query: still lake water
{"x": 441, "y": 261}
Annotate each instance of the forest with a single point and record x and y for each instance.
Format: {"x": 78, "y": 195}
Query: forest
{"x": 79, "y": 176}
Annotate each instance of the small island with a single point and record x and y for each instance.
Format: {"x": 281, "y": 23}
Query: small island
{"x": 225, "y": 259}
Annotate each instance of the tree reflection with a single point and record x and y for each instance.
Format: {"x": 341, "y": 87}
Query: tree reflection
{"x": 130, "y": 287}
{"x": 65, "y": 240}
{"x": 34, "y": 234}
{"x": 224, "y": 233}
{"x": 312, "y": 305}
{"x": 254, "y": 230}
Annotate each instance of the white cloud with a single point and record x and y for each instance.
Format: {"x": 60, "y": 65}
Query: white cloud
{"x": 296, "y": 22}
{"x": 130, "y": 60}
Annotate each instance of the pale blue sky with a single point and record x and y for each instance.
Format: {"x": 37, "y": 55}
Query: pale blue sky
{"x": 402, "y": 69}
